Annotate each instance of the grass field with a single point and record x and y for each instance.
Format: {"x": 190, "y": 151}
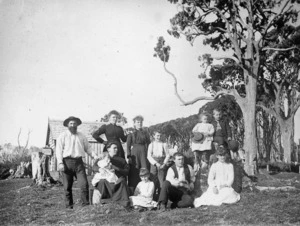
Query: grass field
{"x": 36, "y": 206}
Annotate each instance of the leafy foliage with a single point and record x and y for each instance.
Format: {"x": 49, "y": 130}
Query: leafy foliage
{"x": 179, "y": 130}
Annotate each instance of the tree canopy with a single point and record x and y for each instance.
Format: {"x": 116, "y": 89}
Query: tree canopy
{"x": 243, "y": 33}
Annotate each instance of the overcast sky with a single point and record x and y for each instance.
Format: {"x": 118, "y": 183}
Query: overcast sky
{"x": 85, "y": 58}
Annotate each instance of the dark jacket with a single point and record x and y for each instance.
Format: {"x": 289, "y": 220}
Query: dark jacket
{"x": 225, "y": 130}
{"x": 120, "y": 165}
{"x": 113, "y": 133}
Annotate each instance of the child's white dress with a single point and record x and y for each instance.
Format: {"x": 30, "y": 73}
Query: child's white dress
{"x": 219, "y": 174}
{"x": 205, "y": 144}
{"x": 106, "y": 174}
{"x": 143, "y": 195}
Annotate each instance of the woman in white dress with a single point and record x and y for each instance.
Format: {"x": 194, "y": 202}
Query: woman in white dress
{"x": 220, "y": 179}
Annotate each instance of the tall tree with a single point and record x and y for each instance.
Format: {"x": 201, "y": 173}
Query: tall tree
{"x": 280, "y": 84}
{"x": 240, "y": 28}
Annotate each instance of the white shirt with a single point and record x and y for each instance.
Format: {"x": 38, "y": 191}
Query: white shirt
{"x": 72, "y": 145}
{"x": 205, "y": 144}
{"x": 157, "y": 150}
{"x": 221, "y": 174}
{"x": 145, "y": 189}
{"x": 181, "y": 176}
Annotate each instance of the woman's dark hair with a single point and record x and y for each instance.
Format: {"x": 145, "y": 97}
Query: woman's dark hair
{"x": 138, "y": 118}
{"x": 110, "y": 144}
{"x": 114, "y": 112}
{"x": 221, "y": 150}
{"x": 156, "y": 131}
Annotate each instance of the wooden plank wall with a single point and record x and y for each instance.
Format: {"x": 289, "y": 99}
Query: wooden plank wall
{"x": 96, "y": 148}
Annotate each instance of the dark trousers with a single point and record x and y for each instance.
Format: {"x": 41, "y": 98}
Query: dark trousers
{"x": 114, "y": 192}
{"x": 139, "y": 160}
{"x": 179, "y": 197}
{"x": 75, "y": 167}
{"x": 158, "y": 177}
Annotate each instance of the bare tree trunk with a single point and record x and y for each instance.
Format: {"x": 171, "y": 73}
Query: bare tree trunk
{"x": 40, "y": 168}
{"x": 287, "y": 137}
{"x": 248, "y": 108}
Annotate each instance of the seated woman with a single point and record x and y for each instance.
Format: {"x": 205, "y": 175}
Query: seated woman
{"x": 220, "y": 180}
{"x": 118, "y": 191}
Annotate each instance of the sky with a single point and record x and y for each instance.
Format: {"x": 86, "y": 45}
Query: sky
{"x": 85, "y": 58}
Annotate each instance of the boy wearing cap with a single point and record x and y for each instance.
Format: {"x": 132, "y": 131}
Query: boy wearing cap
{"x": 71, "y": 147}
{"x": 202, "y": 140}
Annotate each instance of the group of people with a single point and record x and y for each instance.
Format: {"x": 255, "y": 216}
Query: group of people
{"x": 147, "y": 176}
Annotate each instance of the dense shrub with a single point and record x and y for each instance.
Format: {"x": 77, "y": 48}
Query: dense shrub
{"x": 11, "y": 156}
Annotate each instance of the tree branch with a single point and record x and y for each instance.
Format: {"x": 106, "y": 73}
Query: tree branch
{"x": 279, "y": 49}
{"x": 266, "y": 109}
{"x": 221, "y": 57}
{"x": 271, "y": 21}
{"x": 19, "y": 134}
{"x": 185, "y": 103}
{"x": 231, "y": 92}
{"x": 296, "y": 106}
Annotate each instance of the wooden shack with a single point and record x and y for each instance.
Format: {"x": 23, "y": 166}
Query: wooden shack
{"x": 55, "y": 128}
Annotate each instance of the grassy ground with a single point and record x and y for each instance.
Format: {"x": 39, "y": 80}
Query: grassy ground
{"x": 36, "y": 206}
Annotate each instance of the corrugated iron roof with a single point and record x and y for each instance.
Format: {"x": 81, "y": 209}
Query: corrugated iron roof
{"x": 56, "y": 128}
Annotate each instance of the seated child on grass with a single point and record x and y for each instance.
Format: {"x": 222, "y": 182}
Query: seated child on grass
{"x": 143, "y": 194}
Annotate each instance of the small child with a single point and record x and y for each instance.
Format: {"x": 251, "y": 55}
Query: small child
{"x": 203, "y": 146}
{"x": 220, "y": 180}
{"x": 143, "y": 194}
{"x": 158, "y": 156}
{"x": 105, "y": 170}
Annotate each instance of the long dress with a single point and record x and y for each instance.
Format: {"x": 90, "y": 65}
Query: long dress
{"x": 113, "y": 133}
{"x": 143, "y": 195}
{"x": 220, "y": 175}
{"x": 137, "y": 145}
{"x": 114, "y": 192}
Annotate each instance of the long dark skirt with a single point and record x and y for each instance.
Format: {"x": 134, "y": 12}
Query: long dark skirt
{"x": 110, "y": 192}
{"x": 139, "y": 160}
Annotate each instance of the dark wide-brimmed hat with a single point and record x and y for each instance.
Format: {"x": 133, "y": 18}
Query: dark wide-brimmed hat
{"x": 198, "y": 137}
{"x": 144, "y": 172}
{"x": 72, "y": 118}
{"x": 233, "y": 145}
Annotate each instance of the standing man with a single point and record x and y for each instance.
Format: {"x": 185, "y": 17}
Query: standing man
{"x": 178, "y": 185}
{"x": 71, "y": 147}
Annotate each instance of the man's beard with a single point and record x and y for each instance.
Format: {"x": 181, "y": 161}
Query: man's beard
{"x": 73, "y": 129}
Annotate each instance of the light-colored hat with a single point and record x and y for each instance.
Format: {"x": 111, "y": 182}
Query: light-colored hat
{"x": 198, "y": 137}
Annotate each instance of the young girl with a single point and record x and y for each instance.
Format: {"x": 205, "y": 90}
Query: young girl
{"x": 220, "y": 179}
{"x": 105, "y": 170}
{"x": 143, "y": 193}
{"x": 158, "y": 157}
{"x": 202, "y": 147}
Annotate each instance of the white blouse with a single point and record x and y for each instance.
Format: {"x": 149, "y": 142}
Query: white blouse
{"x": 221, "y": 174}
